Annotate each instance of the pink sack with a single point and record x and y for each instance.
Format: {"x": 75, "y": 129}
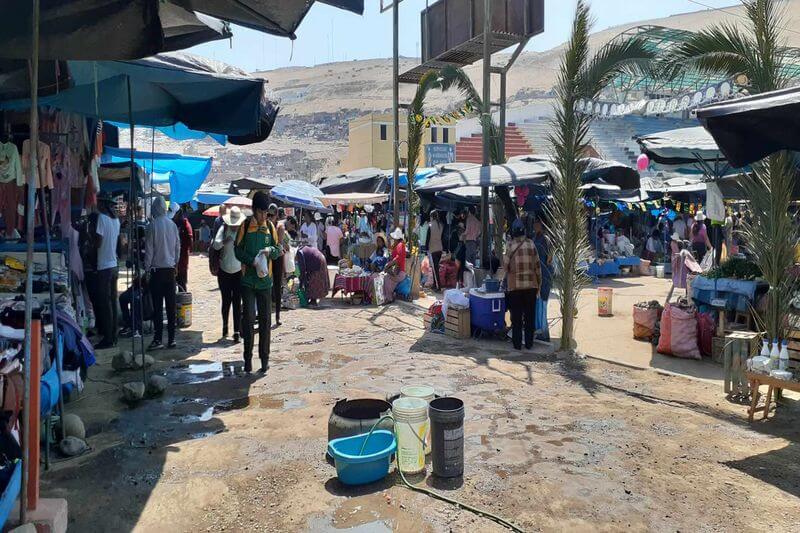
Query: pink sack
{"x": 644, "y": 322}
{"x": 678, "y": 333}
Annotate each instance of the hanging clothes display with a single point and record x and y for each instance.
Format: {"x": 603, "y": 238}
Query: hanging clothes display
{"x": 44, "y": 178}
{"x": 10, "y": 176}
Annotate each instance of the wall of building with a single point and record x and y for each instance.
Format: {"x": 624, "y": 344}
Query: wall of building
{"x": 370, "y": 142}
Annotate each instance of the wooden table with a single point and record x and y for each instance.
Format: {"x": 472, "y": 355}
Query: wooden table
{"x": 774, "y": 384}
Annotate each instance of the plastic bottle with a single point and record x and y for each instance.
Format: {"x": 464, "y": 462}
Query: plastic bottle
{"x": 774, "y": 355}
{"x": 760, "y": 363}
{"x": 783, "y": 363}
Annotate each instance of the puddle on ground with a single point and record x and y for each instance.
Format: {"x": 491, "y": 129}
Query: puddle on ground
{"x": 205, "y": 434}
{"x": 204, "y": 416}
{"x": 185, "y": 374}
{"x": 323, "y": 525}
{"x": 318, "y": 359}
{"x": 260, "y": 401}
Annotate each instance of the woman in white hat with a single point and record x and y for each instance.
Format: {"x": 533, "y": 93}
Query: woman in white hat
{"x": 229, "y": 275}
{"x": 700, "y": 241}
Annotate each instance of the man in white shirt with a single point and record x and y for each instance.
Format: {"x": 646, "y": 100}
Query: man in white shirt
{"x": 308, "y": 231}
{"x": 105, "y": 306}
{"x": 162, "y": 251}
{"x": 679, "y": 226}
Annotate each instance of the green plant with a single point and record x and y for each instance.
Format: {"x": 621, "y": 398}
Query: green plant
{"x": 581, "y": 75}
{"x": 759, "y": 52}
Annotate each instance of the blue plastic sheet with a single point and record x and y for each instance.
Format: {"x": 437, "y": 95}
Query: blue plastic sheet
{"x": 181, "y": 132}
{"x": 186, "y": 173}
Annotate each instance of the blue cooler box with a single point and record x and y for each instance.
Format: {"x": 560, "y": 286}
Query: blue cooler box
{"x": 487, "y": 310}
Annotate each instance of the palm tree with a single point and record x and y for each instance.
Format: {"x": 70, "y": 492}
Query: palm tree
{"x": 581, "y": 76}
{"x": 758, "y": 51}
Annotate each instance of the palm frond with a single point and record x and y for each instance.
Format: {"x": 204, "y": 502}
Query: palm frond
{"x": 629, "y": 56}
{"x": 720, "y": 50}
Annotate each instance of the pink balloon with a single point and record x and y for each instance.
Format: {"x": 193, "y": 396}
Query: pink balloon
{"x": 642, "y": 162}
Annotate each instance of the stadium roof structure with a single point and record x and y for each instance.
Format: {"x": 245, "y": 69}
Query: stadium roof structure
{"x": 660, "y": 40}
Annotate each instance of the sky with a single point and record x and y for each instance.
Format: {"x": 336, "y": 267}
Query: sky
{"x": 327, "y": 34}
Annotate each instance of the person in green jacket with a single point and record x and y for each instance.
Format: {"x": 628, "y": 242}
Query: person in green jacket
{"x": 257, "y": 236}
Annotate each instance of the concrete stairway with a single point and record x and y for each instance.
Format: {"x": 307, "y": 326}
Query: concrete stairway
{"x": 470, "y": 149}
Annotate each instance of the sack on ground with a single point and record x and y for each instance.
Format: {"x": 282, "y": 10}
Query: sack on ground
{"x": 705, "y": 333}
{"x": 645, "y": 317}
{"x": 679, "y": 332}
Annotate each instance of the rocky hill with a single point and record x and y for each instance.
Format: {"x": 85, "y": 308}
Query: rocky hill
{"x": 310, "y": 136}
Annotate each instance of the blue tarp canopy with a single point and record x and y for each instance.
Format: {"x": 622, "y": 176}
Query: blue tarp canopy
{"x": 180, "y": 132}
{"x": 185, "y": 173}
{"x": 299, "y": 194}
{"x": 213, "y": 198}
{"x": 166, "y": 89}
{"x": 421, "y": 176}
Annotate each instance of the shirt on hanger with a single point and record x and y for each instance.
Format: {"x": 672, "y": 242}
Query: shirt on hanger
{"x": 45, "y": 177}
{"x": 10, "y": 165}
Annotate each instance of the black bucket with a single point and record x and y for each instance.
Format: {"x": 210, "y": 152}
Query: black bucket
{"x": 447, "y": 436}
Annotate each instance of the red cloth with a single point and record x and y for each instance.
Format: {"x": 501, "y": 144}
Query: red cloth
{"x": 399, "y": 254}
{"x": 350, "y": 284}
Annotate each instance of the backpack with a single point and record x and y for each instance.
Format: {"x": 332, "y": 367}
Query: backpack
{"x": 87, "y": 242}
{"x": 214, "y": 256}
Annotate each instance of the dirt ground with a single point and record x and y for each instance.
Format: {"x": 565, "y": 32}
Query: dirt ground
{"x": 552, "y": 445}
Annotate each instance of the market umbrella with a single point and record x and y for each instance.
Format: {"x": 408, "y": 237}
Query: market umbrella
{"x": 241, "y": 201}
{"x": 749, "y": 129}
{"x": 300, "y": 194}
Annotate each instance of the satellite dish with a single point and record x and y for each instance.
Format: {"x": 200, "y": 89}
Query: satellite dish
{"x": 685, "y": 103}
{"x": 672, "y": 105}
{"x": 651, "y": 107}
{"x": 725, "y": 89}
{"x": 614, "y": 111}
{"x": 660, "y": 106}
{"x": 597, "y": 108}
{"x": 711, "y": 93}
{"x": 605, "y": 109}
{"x": 581, "y": 104}
{"x": 697, "y": 98}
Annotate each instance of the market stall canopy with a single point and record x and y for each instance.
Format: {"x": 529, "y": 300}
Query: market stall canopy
{"x": 605, "y": 170}
{"x": 536, "y": 173}
{"x": 683, "y": 147}
{"x": 749, "y": 129}
{"x": 212, "y": 198}
{"x": 186, "y": 173}
{"x": 252, "y": 184}
{"x": 203, "y": 94}
{"x": 353, "y": 198}
{"x": 241, "y": 201}
{"x": 114, "y": 29}
{"x": 300, "y": 194}
{"x": 365, "y": 180}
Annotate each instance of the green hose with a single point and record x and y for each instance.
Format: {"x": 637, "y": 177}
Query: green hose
{"x": 475, "y": 510}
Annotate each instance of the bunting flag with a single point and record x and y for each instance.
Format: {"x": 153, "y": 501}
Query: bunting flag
{"x": 446, "y": 119}
{"x": 678, "y": 206}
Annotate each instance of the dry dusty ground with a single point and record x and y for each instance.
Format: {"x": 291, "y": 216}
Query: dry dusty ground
{"x": 579, "y": 445}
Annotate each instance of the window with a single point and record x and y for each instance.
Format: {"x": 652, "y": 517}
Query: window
{"x": 446, "y": 135}
{"x": 434, "y": 136}
{"x": 383, "y": 132}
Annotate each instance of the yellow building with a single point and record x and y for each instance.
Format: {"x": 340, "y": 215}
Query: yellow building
{"x": 370, "y": 142}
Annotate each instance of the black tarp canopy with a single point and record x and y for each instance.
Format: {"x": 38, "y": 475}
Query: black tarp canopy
{"x": 516, "y": 173}
{"x": 683, "y": 147}
{"x": 130, "y": 29}
{"x": 603, "y": 171}
{"x": 365, "y": 180}
{"x": 203, "y": 94}
{"x": 749, "y": 129}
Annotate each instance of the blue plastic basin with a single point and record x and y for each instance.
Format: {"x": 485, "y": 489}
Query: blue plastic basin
{"x": 355, "y": 469}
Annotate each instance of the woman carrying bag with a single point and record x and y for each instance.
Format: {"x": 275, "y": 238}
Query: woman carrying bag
{"x": 229, "y": 271}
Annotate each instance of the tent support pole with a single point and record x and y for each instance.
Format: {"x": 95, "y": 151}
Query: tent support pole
{"x": 29, "y": 212}
{"x": 487, "y": 117}
{"x": 133, "y": 247}
{"x": 396, "y": 111}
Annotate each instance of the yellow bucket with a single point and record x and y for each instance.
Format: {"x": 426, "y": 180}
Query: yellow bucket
{"x": 605, "y": 301}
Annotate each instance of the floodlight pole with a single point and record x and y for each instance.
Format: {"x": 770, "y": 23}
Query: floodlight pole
{"x": 487, "y": 115}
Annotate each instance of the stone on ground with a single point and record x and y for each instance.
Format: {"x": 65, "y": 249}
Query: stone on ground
{"x": 73, "y": 426}
{"x": 156, "y": 385}
{"x": 138, "y": 358}
{"x": 72, "y": 446}
{"x": 122, "y": 361}
{"x": 133, "y": 391}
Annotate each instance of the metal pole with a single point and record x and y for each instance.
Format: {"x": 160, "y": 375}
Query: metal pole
{"x": 133, "y": 248}
{"x": 396, "y": 110}
{"x": 487, "y": 118}
{"x": 30, "y": 203}
{"x": 503, "y": 115}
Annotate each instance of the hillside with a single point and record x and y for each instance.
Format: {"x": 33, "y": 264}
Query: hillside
{"x": 310, "y": 136}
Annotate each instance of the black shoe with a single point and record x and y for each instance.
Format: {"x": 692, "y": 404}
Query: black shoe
{"x": 224, "y": 333}
{"x": 248, "y": 366}
{"x": 125, "y": 333}
{"x": 172, "y": 344}
{"x": 155, "y": 345}
{"x": 264, "y": 367}
{"x": 235, "y": 338}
